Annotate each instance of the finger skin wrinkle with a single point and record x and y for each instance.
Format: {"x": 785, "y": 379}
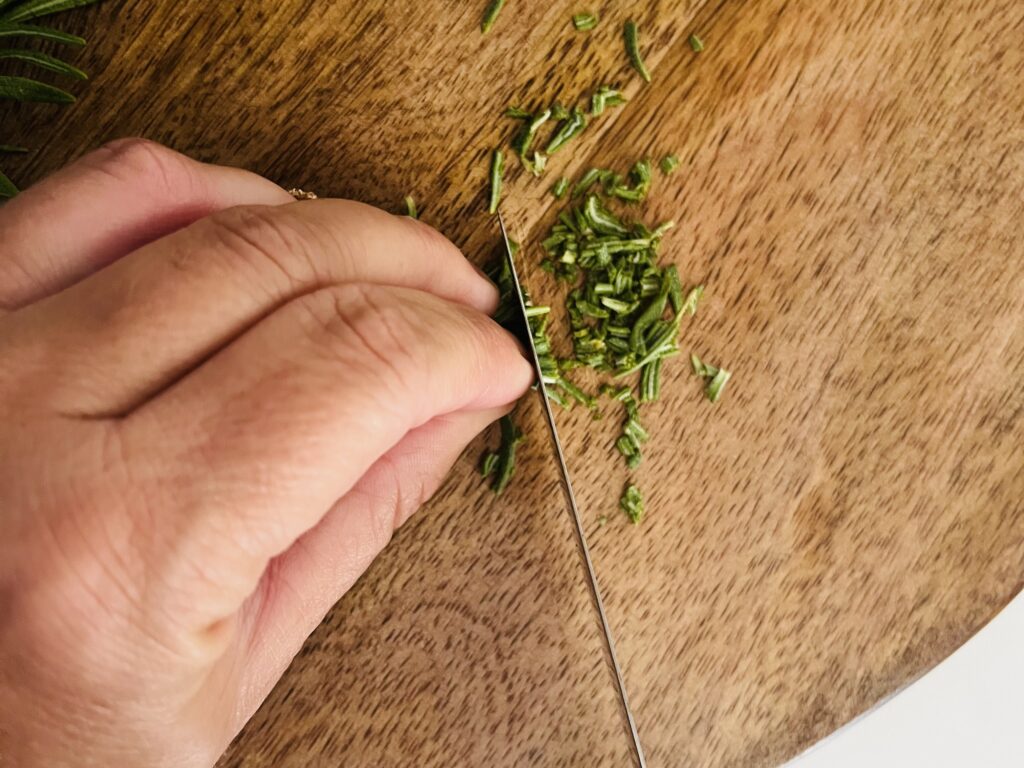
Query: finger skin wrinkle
{"x": 263, "y": 235}
{"x": 163, "y": 174}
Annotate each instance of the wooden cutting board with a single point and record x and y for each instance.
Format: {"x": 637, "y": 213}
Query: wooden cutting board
{"x": 848, "y": 514}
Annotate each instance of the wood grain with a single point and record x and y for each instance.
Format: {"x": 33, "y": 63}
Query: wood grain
{"x": 848, "y": 514}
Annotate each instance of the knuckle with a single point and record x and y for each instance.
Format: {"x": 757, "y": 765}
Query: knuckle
{"x": 147, "y": 164}
{"x": 367, "y": 329}
{"x": 273, "y": 244}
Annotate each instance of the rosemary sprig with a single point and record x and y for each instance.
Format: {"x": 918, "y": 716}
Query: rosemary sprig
{"x": 14, "y": 16}
{"x": 497, "y": 169}
{"x": 631, "y": 35}
{"x": 584, "y": 22}
{"x": 491, "y": 15}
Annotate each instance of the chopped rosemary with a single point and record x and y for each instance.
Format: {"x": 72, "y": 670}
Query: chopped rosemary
{"x": 696, "y": 43}
{"x": 604, "y": 97}
{"x": 717, "y": 384}
{"x": 632, "y": 40}
{"x": 503, "y": 463}
{"x": 632, "y": 503}
{"x": 571, "y": 127}
{"x": 584, "y": 22}
{"x": 716, "y": 377}
{"x": 560, "y": 187}
{"x": 410, "y": 207}
{"x": 491, "y": 15}
{"x": 668, "y": 164}
{"x": 521, "y": 144}
{"x": 497, "y": 168}
{"x": 689, "y": 306}
{"x": 517, "y": 113}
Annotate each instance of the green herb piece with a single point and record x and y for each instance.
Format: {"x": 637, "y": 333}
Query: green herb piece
{"x": 518, "y": 113}
{"x": 632, "y": 503}
{"x": 650, "y": 381}
{"x": 587, "y": 180}
{"x": 7, "y": 187}
{"x": 36, "y": 8}
{"x": 668, "y": 164}
{"x": 702, "y": 369}
{"x": 675, "y": 288}
{"x": 717, "y": 384}
{"x": 640, "y": 175}
{"x": 716, "y": 377}
{"x": 689, "y": 306}
{"x": 537, "y": 165}
{"x": 9, "y": 29}
{"x": 603, "y": 98}
{"x": 521, "y": 144}
{"x": 491, "y": 15}
{"x": 632, "y": 39}
{"x": 497, "y": 169}
{"x": 696, "y": 43}
{"x": 43, "y": 61}
{"x": 558, "y": 112}
{"x": 410, "y": 207}
{"x": 601, "y": 220}
{"x": 488, "y": 464}
{"x": 584, "y": 22}
{"x": 560, "y": 187}
{"x": 504, "y": 464}
{"x": 7, "y": 149}
{"x": 26, "y": 89}
{"x": 571, "y": 127}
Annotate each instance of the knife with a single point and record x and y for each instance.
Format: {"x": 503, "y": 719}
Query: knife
{"x": 581, "y": 539}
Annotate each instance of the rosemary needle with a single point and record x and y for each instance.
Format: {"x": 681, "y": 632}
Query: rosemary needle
{"x": 491, "y": 15}
{"x": 696, "y": 43}
{"x": 584, "y": 22}
{"x": 560, "y": 187}
{"x": 497, "y": 168}
{"x": 632, "y": 39}
{"x": 668, "y": 164}
{"x": 410, "y": 207}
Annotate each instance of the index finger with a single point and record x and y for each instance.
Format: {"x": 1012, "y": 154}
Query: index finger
{"x": 130, "y": 330}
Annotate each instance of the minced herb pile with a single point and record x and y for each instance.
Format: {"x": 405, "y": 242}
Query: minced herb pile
{"x": 624, "y": 308}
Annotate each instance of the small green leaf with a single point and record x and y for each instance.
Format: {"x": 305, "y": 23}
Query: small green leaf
{"x": 34, "y": 9}
{"x": 7, "y": 188}
{"x": 410, "y": 207}
{"x": 8, "y": 29}
{"x": 7, "y": 149}
{"x": 696, "y": 43}
{"x": 26, "y": 89}
{"x": 631, "y": 35}
{"x": 717, "y": 384}
{"x": 584, "y": 22}
{"x": 43, "y": 61}
{"x": 491, "y": 15}
{"x": 669, "y": 163}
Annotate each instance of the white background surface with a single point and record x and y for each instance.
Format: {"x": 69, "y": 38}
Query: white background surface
{"x": 966, "y": 713}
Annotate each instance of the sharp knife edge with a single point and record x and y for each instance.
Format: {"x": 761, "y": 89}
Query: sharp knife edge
{"x": 581, "y": 539}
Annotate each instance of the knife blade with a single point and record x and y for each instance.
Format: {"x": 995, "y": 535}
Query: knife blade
{"x": 581, "y": 538}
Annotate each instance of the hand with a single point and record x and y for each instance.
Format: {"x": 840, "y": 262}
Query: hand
{"x": 217, "y": 404}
